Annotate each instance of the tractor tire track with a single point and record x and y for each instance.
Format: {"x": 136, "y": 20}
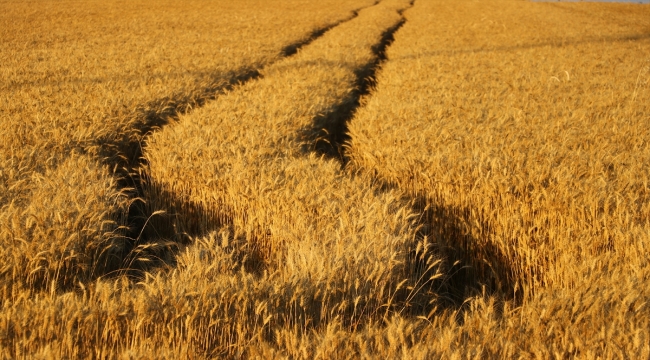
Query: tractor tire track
{"x": 330, "y": 131}
{"x": 329, "y": 137}
{"x": 124, "y": 153}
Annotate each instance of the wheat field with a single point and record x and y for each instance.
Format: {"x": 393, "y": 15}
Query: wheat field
{"x": 334, "y": 179}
